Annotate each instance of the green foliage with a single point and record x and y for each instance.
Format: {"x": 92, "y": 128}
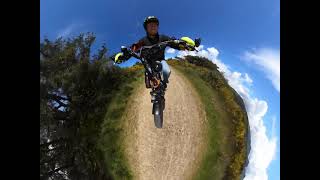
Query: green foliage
{"x": 76, "y": 89}
{"x": 201, "y": 61}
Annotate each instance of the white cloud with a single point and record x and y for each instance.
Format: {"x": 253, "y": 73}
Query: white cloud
{"x": 67, "y": 31}
{"x": 247, "y": 78}
{"x": 263, "y": 149}
{"x": 268, "y": 61}
{"x": 171, "y": 51}
{"x": 273, "y": 128}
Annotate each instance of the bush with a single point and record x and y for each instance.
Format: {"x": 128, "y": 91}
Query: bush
{"x": 201, "y": 61}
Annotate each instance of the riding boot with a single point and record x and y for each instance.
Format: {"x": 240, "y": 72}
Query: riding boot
{"x": 153, "y": 96}
{"x": 164, "y": 86}
{"x": 163, "y": 103}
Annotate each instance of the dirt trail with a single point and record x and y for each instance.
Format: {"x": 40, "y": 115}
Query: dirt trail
{"x": 175, "y": 151}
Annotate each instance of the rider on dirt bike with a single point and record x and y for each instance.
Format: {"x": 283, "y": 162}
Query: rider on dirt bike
{"x": 150, "y": 51}
{"x": 151, "y": 24}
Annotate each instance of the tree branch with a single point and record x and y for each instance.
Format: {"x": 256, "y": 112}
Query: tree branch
{"x": 44, "y": 54}
{"x": 53, "y": 142}
{"x": 60, "y": 104}
{"x": 56, "y": 170}
{"x": 57, "y": 114}
{"x": 43, "y": 161}
{"x": 53, "y": 96}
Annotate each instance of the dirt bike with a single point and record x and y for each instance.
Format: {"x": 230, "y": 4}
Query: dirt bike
{"x": 154, "y": 74}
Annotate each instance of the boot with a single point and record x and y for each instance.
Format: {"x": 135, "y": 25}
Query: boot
{"x": 163, "y": 103}
{"x": 164, "y": 86}
{"x": 153, "y": 96}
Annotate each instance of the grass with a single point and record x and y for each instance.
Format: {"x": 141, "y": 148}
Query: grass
{"x": 226, "y": 152}
{"x": 110, "y": 138}
{"x": 213, "y": 164}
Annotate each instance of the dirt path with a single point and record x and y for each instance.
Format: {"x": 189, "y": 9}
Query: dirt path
{"x": 175, "y": 151}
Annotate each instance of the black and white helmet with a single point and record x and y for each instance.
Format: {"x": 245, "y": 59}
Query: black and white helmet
{"x": 148, "y": 20}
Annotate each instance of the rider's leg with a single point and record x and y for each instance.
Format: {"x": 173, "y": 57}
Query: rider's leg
{"x": 166, "y": 74}
{"x": 165, "y": 71}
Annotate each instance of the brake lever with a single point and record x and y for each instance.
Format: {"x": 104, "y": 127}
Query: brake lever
{"x": 191, "y": 47}
{"x": 124, "y": 49}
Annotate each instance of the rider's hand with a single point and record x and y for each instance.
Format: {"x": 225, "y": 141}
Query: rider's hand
{"x": 118, "y": 58}
{"x": 188, "y": 44}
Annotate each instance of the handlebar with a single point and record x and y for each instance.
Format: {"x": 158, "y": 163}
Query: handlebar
{"x": 127, "y": 52}
{"x": 163, "y": 45}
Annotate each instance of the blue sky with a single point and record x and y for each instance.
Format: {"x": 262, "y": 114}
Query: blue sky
{"x": 245, "y": 33}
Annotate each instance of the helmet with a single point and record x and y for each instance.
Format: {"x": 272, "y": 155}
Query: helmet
{"x": 148, "y": 20}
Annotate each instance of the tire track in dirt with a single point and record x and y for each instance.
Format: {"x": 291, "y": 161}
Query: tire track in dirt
{"x": 175, "y": 151}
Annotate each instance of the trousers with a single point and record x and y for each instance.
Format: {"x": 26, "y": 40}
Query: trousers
{"x": 165, "y": 74}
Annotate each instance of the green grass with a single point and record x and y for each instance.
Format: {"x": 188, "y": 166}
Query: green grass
{"x": 224, "y": 155}
{"x": 214, "y": 164}
{"x": 226, "y": 152}
{"x": 110, "y": 138}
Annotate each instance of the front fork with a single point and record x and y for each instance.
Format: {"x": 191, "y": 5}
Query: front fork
{"x": 158, "y": 101}
{"x": 157, "y": 88}
{"x": 156, "y": 85}
{"x": 157, "y": 96}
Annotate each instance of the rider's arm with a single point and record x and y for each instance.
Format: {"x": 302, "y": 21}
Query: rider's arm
{"x": 172, "y": 45}
{"x": 175, "y": 45}
{"x": 134, "y": 47}
{"x": 120, "y": 57}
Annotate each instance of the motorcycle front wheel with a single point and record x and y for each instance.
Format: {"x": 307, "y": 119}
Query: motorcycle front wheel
{"x": 157, "y": 112}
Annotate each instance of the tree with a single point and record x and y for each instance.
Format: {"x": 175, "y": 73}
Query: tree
{"x": 74, "y": 91}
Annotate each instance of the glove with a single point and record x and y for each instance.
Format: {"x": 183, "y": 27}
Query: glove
{"x": 118, "y": 58}
{"x": 189, "y": 42}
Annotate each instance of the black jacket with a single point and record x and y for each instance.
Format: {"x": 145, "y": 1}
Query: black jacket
{"x": 148, "y": 41}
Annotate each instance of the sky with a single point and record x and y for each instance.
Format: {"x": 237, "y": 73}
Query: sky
{"x": 241, "y": 37}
